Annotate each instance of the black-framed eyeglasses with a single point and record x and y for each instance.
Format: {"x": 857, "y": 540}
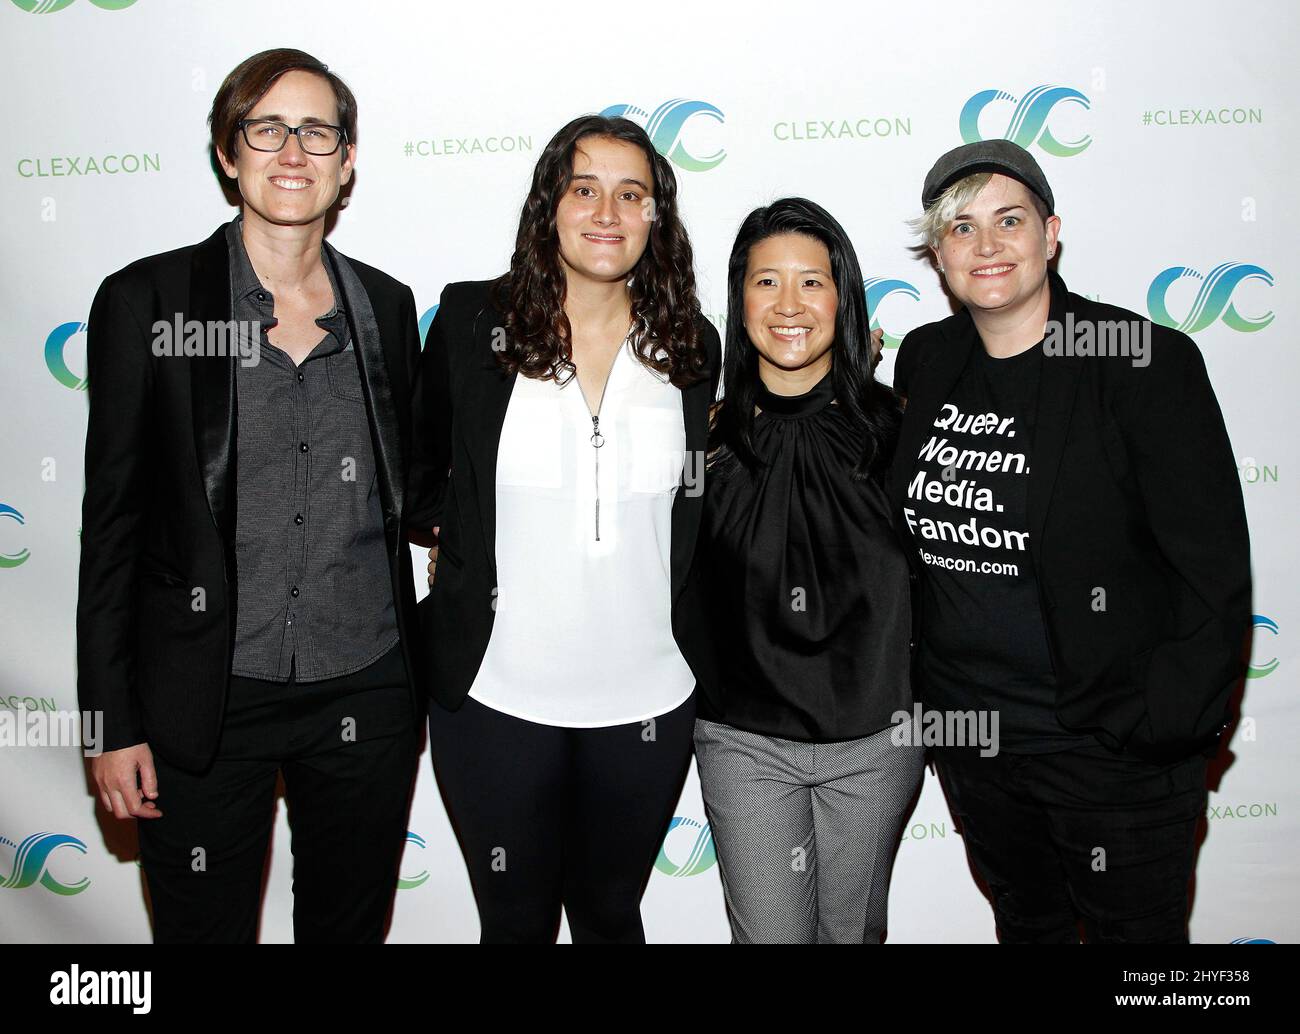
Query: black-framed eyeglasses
{"x": 313, "y": 137}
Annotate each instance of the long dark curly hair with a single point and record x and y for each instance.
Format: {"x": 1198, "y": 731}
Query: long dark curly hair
{"x": 870, "y": 406}
{"x": 538, "y": 337}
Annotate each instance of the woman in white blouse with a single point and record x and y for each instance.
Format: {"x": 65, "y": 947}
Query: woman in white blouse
{"x": 562, "y": 414}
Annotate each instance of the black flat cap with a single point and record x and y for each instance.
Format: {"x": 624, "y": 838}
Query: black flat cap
{"x": 986, "y": 156}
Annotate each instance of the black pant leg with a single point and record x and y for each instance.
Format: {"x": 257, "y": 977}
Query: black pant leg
{"x": 204, "y": 859}
{"x": 1009, "y": 843}
{"x": 348, "y": 811}
{"x": 504, "y": 782}
{"x": 1125, "y": 830}
{"x": 626, "y": 782}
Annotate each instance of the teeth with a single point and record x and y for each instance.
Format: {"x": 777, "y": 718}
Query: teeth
{"x": 598, "y": 237}
{"x": 991, "y": 272}
{"x": 291, "y": 184}
{"x": 791, "y": 331}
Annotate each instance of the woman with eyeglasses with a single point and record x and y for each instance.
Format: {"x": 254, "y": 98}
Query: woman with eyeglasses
{"x": 563, "y": 411}
{"x": 246, "y": 605}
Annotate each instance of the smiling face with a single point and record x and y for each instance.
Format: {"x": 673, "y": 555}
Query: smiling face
{"x": 603, "y": 219}
{"x": 290, "y": 187}
{"x": 994, "y": 252}
{"x": 791, "y": 302}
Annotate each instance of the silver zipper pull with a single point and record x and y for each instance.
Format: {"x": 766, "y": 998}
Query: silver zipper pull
{"x": 597, "y": 440}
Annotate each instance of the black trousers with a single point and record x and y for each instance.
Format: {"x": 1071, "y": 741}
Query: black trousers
{"x": 348, "y": 802}
{"x": 549, "y": 817}
{"x": 1080, "y": 835}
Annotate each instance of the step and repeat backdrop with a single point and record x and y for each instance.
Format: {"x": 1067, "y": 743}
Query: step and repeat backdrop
{"x": 1168, "y": 132}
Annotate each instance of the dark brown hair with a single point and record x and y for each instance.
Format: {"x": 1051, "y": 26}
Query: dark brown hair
{"x": 538, "y": 337}
{"x": 250, "y": 80}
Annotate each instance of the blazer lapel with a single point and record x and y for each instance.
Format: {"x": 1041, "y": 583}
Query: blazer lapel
{"x": 212, "y": 382}
{"x": 931, "y": 384}
{"x": 1057, "y": 388}
{"x": 372, "y": 362}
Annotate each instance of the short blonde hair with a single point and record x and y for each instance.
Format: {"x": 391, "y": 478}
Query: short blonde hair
{"x": 933, "y": 223}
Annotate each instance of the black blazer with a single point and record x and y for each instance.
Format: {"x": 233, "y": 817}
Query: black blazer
{"x": 1133, "y": 488}
{"x": 159, "y": 511}
{"x": 461, "y": 400}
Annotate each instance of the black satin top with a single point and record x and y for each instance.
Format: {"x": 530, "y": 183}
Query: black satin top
{"x": 805, "y": 580}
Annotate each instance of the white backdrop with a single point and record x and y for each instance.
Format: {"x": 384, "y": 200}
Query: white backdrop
{"x": 1168, "y": 146}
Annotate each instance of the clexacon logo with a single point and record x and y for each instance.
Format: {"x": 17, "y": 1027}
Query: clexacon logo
{"x": 1258, "y": 671}
{"x": 1251, "y": 940}
{"x": 50, "y": 6}
{"x": 55, "y": 361}
{"x": 31, "y": 859}
{"x": 666, "y": 126}
{"x": 877, "y": 289}
{"x": 1028, "y": 123}
{"x": 702, "y": 854}
{"x": 13, "y": 559}
{"x": 1213, "y": 298}
{"x": 403, "y": 883}
{"x": 425, "y": 321}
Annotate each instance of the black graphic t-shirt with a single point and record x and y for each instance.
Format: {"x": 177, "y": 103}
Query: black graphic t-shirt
{"x": 984, "y": 644}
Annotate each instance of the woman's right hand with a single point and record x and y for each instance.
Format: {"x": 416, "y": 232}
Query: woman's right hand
{"x": 433, "y": 559}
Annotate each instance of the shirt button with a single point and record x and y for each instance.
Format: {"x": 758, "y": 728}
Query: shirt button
{"x": 294, "y": 592}
{"x": 302, "y": 446}
{"x": 261, "y": 296}
{"x": 297, "y": 518}
{"x": 301, "y": 378}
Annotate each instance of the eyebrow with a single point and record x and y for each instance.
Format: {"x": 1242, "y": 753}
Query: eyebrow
{"x": 596, "y": 179}
{"x": 1001, "y": 211}
{"x": 310, "y": 120}
{"x": 771, "y": 269}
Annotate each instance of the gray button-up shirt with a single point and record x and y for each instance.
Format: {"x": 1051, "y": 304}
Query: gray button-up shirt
{"x": 315, "y": 591}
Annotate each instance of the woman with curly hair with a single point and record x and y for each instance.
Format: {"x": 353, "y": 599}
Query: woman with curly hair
{"x": 562, "y": 415}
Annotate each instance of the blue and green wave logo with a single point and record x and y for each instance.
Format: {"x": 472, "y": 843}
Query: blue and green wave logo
{"x": 425, "y": 321}
{"x": 877, "y": 289}
{"x": 702, "y": 854}
{"x": 54, "y": 360}
{"x": 50, "y": 6}
{"x": 1213, "y": 298}
{"x": 31, "y": 857}
{"x": 1258, "y": 671}
{"x": 13, "y": 559}
{"x": 410, "y": 883}
{"x": 665, "y": 126}
{"x": 41, "y": 6}
{"x": 1028, "y": 125}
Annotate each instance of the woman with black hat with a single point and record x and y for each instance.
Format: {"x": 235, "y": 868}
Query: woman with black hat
{"x": 1073, "y": 513}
